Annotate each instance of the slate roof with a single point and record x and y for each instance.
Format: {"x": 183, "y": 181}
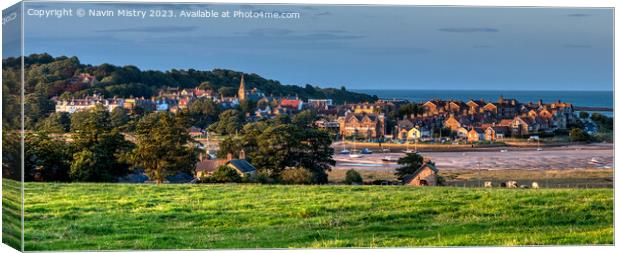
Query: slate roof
{"x": 242, "y": 165}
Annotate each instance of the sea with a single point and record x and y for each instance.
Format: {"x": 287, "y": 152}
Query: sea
{"x": 603, "y": 99}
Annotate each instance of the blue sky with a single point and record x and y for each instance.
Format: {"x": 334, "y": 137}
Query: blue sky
{"x": 360, "y": 47}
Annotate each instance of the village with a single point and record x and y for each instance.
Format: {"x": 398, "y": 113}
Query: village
{"x": 378, "y": 126}
{"x": 471, "y": 121}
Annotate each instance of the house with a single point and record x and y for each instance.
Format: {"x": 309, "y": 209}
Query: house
{"x": 206, "y": 167}
{"x": 494, "y": 133}
{"x": 475, "y": 134}
{"x": 369, "y": 126}
{"x": 426, "y": 175}
{"x": 474, "y": 106}
{"x": 521, "y": 126}
{"x": 452, "y": 123}
{"x": 412, "y": 134}
{"x": 294, "y": 104}
{"x": 461, "y": 132}
{"x": 320, "y": 103}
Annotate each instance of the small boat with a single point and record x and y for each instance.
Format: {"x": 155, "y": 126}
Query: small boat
{"x": 386, "y": 150}
{"x": 389, "y": 159}
{"x": 344, "y": 150}
{"x": 539, "y": 149}
{"x": 356, "y": 155}
{"x": 366, "y": 151}
{"x": 504, "y": 150}
{"x": 409, "y": 151}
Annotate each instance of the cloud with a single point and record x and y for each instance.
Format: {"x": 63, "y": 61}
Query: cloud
{"x": 468, "y": 30}
{"x": 579, "y": 15}
{"x": 152, "y": 29}
{"x": 577, "y": 45}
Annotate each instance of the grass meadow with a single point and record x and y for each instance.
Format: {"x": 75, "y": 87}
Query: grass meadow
{"x": 123, "y": 216}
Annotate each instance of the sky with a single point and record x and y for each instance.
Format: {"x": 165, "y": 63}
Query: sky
{"x": 359, "y": 47}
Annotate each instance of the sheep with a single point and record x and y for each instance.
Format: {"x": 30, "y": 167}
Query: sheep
{"x": 535, "y": 185}
{"x": 512, "y": 184}
{"x": 488, "y": 184}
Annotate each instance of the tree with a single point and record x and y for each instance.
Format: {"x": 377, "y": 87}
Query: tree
{"x": 229, "y": 123}
{"x": 288, "y": 146}
{"x": 247, "y": 106}
{"x": 46, "y": 159}
{"x": 119, "y": 117}
{"x": 203, "y": 112}
{"x": 353, "y": 177}
{"x": 409, "y": 109}
{"x": 205, "y": 86}
{"x": 225, "y": 174}
{"x": 163, "y": 146}
{"x": 305, "y": 118}
{"x": 409, "y": 164}
{"x": 100, "y": 148}
{"x": 576, "y": 134}
{"x": 58, "y": 122}
{"x": 227, "y": 91}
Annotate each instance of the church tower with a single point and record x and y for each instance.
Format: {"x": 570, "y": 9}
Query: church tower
{"x": 241, "y": 93}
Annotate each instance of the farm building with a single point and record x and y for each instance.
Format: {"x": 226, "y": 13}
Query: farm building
{"x": 426, "y": 175}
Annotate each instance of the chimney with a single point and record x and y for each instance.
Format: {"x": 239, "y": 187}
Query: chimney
{"x": 229, "y": 156}
{"x": 242, "y": 154}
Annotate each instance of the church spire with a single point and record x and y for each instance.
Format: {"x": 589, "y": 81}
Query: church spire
{"x": 241, "y": 93}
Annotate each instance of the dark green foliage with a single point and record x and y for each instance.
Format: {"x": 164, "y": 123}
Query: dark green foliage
{"x": 353, "y": 177}
{"x": 99, "y": 147}
{"x": 409, "y": 164}
{"x": 224, "y": 174}
{"x": 46, "y": 159}
{"x": 227, "y": 91}
{"x": 247, "y": 106}
{"x": 577, "y": 134}
{"x": 584, "y": 115}
{"x": 230, "y": 121}
{"x": 604, "y": 123}
{"x": 297, "y": 176}
{"x": 119, "y": 117}
{"x": 58, "y": 122}
{"x": 203, "y": 112}
{"x": 409, "y": 109}
{"x": 305, "y": 118}
{"x": 163, "y": 146}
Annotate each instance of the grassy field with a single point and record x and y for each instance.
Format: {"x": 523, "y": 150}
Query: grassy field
{"x": 122, "y": 216}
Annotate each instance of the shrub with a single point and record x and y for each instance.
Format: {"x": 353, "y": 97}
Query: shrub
{"x": 296, "y": 176}
{"x": 353, "y": 177}
{"x": 225, "y": 174}
{"x": 261, "y": 178}
{"x": 577, "y": 134}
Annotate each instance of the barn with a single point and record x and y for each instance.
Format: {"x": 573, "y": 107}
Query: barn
{"x": 426, "y": 175}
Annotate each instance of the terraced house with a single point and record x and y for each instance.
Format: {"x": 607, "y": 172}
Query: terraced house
{"x": 362, "y": 125}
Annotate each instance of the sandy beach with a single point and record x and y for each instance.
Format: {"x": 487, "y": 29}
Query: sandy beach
{"x": 566, "y": 157}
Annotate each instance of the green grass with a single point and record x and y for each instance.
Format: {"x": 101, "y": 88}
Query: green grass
{"x": 121, "y": 216}
{"x": 11, "y": 213}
